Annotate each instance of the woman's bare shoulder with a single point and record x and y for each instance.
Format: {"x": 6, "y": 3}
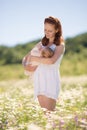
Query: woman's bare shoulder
{"x": 62, "y": 45}
{"x": 60, "y": 48}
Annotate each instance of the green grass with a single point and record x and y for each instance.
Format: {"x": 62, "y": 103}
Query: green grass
{"x": 68, "y": 67}
{"x": 15, "y": 71}
{"x": 73, "y": 65}
{"x": 18, "y": 111}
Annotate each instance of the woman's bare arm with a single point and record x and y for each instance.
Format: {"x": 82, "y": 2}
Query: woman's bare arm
{"x": 58, "y": 51}
{"x": 30, "y": 68}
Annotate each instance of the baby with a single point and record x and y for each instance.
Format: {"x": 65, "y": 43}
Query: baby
{"x": 43, "y": 51}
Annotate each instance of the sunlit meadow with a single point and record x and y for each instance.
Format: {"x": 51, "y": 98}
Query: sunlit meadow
{"x": 19, "y": 111}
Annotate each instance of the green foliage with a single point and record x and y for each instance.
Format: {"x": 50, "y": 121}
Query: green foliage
{"x": 11, "y": 72}
{"x": 76, "y": 44}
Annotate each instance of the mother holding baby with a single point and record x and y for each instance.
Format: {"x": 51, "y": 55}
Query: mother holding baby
{"x": 46, "y": 75}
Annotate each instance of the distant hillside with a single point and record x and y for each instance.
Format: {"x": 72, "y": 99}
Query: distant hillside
{"x": 14, "y": 55}
{"x": 74, "y": 46}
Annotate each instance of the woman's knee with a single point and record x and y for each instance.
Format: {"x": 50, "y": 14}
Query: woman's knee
{"x": 46, "y": 102}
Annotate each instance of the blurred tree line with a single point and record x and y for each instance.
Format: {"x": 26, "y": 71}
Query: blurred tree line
{"x": 75, "y": 47}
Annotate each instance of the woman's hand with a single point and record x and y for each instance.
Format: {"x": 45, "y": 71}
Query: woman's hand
{"x": 30, "y": 68}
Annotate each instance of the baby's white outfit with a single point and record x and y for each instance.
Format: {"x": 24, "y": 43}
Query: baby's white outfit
{"x": 47, "y": 79}
{"x": 36, "y": 52}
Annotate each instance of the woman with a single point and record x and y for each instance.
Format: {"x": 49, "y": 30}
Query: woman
{"x": 46, "y": 76}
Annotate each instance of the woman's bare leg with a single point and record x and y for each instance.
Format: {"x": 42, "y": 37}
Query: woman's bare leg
{"x": 46, "y": 102}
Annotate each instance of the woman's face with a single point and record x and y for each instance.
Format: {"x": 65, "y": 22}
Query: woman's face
{"x": 49, "y": 30}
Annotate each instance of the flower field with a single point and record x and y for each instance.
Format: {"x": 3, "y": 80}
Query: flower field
{"x": 19, "y": 111}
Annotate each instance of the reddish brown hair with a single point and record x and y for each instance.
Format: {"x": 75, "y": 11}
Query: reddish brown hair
{"x": 58, "y": 36}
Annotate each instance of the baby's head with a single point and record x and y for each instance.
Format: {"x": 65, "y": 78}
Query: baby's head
{"x": 47, "y": 52}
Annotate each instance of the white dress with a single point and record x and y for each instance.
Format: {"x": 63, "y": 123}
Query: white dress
{"x": 47, "y": 80}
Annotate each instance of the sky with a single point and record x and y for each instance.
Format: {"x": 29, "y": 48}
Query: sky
{"x": 22, "y": 21}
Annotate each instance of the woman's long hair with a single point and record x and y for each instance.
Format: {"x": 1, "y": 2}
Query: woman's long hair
{"x": 58, "y": 36}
